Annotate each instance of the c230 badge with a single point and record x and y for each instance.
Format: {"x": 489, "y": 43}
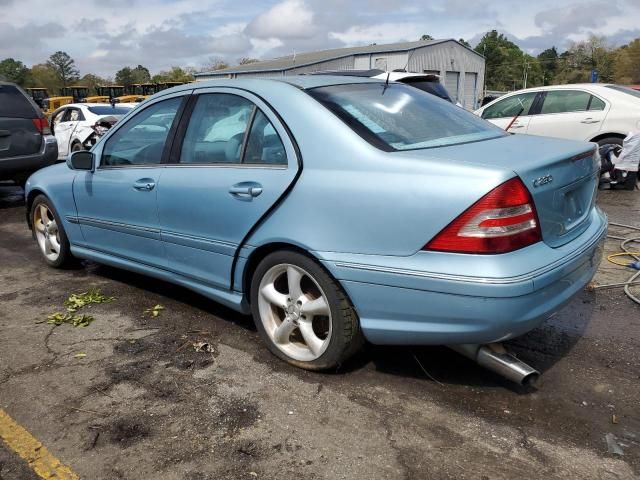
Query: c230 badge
{"x": 538, "y": 182}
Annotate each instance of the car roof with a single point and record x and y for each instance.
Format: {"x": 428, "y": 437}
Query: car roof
{"x": 585, "y": 86}
{"x": 300, "y": 81}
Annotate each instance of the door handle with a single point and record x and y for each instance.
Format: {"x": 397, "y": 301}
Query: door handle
{"x": 589, "y": 121}
{"x": 246, "y": 189}
{"x": 144, "y": 185}
{"x": 516, "y": 125}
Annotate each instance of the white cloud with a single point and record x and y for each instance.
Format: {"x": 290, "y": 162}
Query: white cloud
{"x": 288, "y": 19}
{"x": 379, "y": 33}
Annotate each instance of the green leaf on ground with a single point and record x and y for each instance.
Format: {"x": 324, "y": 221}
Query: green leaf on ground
{"x": 79, "y": 300}
{"x": 153, "y": 312}
{"x": 71, "y": 319}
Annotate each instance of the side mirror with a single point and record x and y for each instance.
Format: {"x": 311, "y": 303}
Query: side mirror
{"x": 82, "y": 160}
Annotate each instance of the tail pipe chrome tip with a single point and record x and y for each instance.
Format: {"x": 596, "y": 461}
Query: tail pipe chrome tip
{"x": 495, "y": 357}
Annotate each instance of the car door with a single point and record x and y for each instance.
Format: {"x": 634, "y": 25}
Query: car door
{"x": 572, "y": 114}
{"x": 232, "y": 160}
{"x": 502, "y": 112}
{"x": 64, "y": 129}
{"x": 117, "y": 203}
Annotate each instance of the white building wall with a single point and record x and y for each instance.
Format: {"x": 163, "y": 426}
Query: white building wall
{"x": 452, "y": 57}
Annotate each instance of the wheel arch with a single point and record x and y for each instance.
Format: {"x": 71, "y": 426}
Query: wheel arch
{"x": 261, "y": 252}
{"x": 607, "y": 135}
{"x": 31, "y": 196}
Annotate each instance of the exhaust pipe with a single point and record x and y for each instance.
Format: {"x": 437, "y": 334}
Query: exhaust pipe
{"x": 495, "y": 357}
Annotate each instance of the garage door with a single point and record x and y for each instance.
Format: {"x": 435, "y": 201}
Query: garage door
{"x": 451, "y": 82}
{"x": 470, "y": 94}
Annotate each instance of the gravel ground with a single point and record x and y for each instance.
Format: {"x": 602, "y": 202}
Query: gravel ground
{"x": 143, "y": 403}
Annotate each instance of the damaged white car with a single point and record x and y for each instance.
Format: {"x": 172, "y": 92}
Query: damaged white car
{"x": 78, "y": 126}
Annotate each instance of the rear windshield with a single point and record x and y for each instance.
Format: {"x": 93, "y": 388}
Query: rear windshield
{"x": 14, "y": 104}
{"x": 109, "y": 110}
{"x": 400, "y": 117}
{"x": 430, "y": 86}
{"x": 627, "y": 90}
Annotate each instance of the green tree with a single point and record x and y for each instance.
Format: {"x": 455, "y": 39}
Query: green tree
{"x": 505, "y": 63}
{"x": 124, "y": 76}
{"x": 141, "y": 74}
{"x": 14, "y": 71}
{"x": 176, "y": 74}
{"x": 64, "y": 66}
{"x": 464, "y": 42}
{"x": 92, "y": 81}
{"x": 548, "y": 60}
{"x": 426, "y": 37}
{"x": 582, "y": 57}
{"x": 215, "y": 63}
{"x": 43, "y": 75}
{"x": 627, "y": 65}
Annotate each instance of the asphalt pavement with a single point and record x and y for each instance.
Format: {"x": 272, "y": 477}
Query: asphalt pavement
{"x": 129, "y": 396}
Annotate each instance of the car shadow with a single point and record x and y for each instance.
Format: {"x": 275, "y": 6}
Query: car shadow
{"x": 11, "y": 196}
{"x": 541, "y": 348}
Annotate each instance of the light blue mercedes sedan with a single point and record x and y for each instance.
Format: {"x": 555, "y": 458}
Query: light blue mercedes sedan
{"x": 335, "y": 210}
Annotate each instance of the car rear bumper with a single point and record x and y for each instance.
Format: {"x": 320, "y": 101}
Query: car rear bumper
{"x": 399, "y": 305}
{"x": 24, "y": 165}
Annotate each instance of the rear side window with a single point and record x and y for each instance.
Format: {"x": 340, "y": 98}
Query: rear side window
{"x": 13, "y": 103}
{"x": 596, "y": 104}
{"x": 141, "y": 140}
{"x": 216, "y": 129}
{"x": 511, "y": 106}
{"x": 399, "y": 117}
{"x": 264, "y": 145}
{"x": 564, "y": 101}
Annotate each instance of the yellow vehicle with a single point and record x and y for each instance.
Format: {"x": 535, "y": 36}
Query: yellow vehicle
{"x": 51, "y": 104}
{"x": 38, "y": 94}
{"x": 141, "y": 90}
{"x": 78, "y": 92}
{"x": 116, "y": 93}
{"x": 165, "y": 85}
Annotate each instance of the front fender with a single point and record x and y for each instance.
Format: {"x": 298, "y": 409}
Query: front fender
{"x": 56, "y": 183}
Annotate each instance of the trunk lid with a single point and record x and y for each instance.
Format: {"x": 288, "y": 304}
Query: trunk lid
{"x": 561, "y": 175}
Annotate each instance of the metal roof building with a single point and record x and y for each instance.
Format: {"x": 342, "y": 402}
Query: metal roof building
{"x": 461, "y": 69}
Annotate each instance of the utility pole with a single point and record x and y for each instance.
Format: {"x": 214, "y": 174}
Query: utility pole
{"x": 526, "y": 74}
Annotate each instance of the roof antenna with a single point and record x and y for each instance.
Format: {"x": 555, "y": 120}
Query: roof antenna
{"x": 386, "y": 83}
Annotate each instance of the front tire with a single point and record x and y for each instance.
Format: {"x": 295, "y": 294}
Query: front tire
{"x": 76, "y": 147}
{"x": 302, "y": 314}
{"x": 49, "y": 233}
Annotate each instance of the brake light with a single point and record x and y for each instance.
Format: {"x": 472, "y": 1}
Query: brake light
{"x": 504, "y": 220}
{"x": 42, "y": 125}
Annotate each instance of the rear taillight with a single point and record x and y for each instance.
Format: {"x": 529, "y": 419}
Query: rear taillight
{"x": 504, "y": 220}
{"x": 42, "y": 125}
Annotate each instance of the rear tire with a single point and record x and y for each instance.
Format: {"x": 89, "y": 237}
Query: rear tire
{"x": 610, "y": 141}
{"x": 302, "y": 314}
{"x": 76, "y": 147}
{"x": 48, "y": 231}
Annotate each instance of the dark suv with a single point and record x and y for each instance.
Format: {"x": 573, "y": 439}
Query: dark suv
{"x": 26, "y": 143}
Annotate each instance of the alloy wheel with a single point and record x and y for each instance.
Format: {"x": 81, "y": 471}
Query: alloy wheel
{"x": 47, "y": 233}
{"x": 295, "y": 312}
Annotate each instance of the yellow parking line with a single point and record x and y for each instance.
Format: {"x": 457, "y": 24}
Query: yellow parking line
{"x": 40, "y": 460}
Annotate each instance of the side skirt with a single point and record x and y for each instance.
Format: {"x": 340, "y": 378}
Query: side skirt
{"x": 233, "y": 300}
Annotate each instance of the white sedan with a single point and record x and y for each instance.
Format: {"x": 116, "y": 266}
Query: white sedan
{"x": 77, "y": 126}
{"x": 602, "y": 113}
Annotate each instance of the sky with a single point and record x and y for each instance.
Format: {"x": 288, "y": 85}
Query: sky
{"x": 106, "y": 35}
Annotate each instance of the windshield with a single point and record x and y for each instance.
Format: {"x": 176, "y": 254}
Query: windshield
{"x": 109, "y": 110}
{"x": 432, "y": 87}
{"x": 399, "y": 117}
{"x": 627, "y": 90}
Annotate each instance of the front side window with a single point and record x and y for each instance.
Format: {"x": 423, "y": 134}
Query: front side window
{"x": 510, "y": 107}
{"x": 141, "y": 140}
{"x": 400, "y": 117}
{"x": 564, "y": 101}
